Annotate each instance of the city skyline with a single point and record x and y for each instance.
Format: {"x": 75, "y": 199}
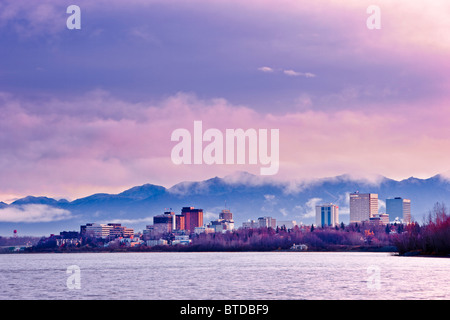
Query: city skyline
{"x": 363, "y": 209}
{"x": 138, "y": 205}
{"x": 188, "y": 228}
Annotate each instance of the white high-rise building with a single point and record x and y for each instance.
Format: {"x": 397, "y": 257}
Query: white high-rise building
{"x": 97, "y": 230}
{"x": 267, "y": 222}
{"x": 363, "y": 206}
{"x": 327, "y": 215}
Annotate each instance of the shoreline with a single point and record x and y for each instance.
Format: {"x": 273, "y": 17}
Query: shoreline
{"x": 188, "y": 249}
{"x": 392, "y": 253}
{"x": 192, "y": 249}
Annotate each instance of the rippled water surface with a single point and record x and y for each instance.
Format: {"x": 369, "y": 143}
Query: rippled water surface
{"x": 211, "y": 275}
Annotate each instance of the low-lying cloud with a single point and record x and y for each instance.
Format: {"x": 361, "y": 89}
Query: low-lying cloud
{"x": 129, "y": 144}
{"x": 309, "y": 209}
{"x": 33, "y": 213}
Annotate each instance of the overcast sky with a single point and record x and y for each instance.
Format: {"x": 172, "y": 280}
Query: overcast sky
{"x": 92, "y": 110}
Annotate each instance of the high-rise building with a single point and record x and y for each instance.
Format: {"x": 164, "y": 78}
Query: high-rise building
{"x": 120, "y": 231}
{"x": 363, "y": 206}
{"x": 180, "y": 222}
{"x": 327, "y": 215}
{"x": 288, "y": 224}
{"x": 192, "y": 218}
{"x": 226, "y": 215}
{"x": 224, "y": 223}
{"x": 96, "y": 230}
{"x": 164, "y": 223}
{"x": 400, "y": 208}
{"x": 267, "y": 222}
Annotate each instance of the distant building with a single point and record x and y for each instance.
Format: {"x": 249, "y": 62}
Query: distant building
{"x": 113, "y": 230}
{"x": 250, "y": 224}
{"x": 96, "y": 230}
{"x": 203, "y": 229}
{"x": 67, "y": 241}
{"x": 159, "y": 242}
{"x": 267, "y": 222}
{"x": 363, "y": 206}
{"x": 226, "y": 215}
{"x": 130, "y": 242}
{"x": 375, "y": 220}
{"x": 148, "y": 232}
{"x": 68, "y": 238}
{"x": 69, "y": 234}
{"x": 327, "y": 215}
{"x": 290, "y": 224}
{"x": 120, "y": 231}
{"x": 216, "y": 225}
{"x": 400, "y": 208}
{"x": 384, "y": 218}
{"x": 380, "y": 219}
{"x": 224, "y": 223}
{"x": 181, "y": 239}
{"x": 180, "y": 222}
{"x": 189, "y": 219}
{"x": 164, "y": 223}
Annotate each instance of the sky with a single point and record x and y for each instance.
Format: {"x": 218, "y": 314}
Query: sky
{"x": 93, "y": 110}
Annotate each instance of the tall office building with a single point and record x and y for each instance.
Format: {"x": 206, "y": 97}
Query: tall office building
{"x": 267, "y": 222}
{"x": 97, "y": 230}
{"x": 363, "y": 206}
{"x": 226, "y": 215}
{"x": 164, "y": 223}
{"x": 224, "y": 223}
{"x": 180, "y": 222}
{"x": 400, "y": 208}
{"x": 327, "y": 215}
{"x": 120, "y": 231}
{"x": 189, "y": 219}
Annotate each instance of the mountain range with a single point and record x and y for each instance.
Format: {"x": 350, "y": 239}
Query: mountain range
{"x": 246, "y": 195}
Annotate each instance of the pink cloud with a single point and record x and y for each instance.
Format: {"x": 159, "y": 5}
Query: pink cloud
{"x": 60, "y": 153}
{"x": 99, "y": 143}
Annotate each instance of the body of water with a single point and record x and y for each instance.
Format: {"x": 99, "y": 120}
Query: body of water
{"x": 223, "y": 275}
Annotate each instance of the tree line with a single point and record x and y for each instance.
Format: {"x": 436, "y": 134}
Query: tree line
{"x": 432, "y": 237}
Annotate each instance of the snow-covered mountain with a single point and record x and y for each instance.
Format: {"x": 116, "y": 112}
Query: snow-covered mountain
{"x": 246, "y": 195}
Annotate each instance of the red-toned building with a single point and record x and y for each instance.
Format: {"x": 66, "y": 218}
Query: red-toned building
{"x": 179, "y": 222}
{"x": 189, "y": 219}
